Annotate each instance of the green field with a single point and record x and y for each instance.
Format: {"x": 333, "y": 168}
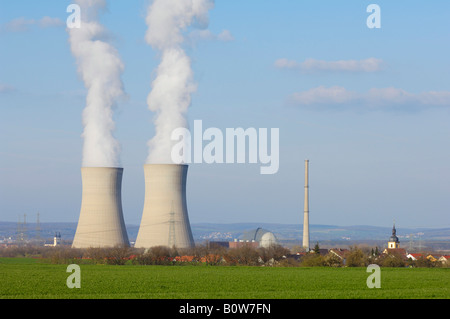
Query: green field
{"x": 32, "y": 278}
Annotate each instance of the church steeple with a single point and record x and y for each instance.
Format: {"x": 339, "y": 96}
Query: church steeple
{"x": 393, "y": 241}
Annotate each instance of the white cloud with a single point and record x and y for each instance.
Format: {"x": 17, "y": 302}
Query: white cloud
{"x": 5, "y": 88}
{"x": 375, "y": 97}
{"x": 324, "y": 95}
{"x": 225, "y": 36}
{"x": 400, "y": 97}
{"x": 389, "y": 95}
{"x": 18, "y": 25}
{"x": 47, "y": 22}
{"x": 310, "y": 65}
{"x": 435, "y": 98}
{"x": 287, "y": 64}
{"x": 199, "y": 35}
{"x": 21, "y": 24}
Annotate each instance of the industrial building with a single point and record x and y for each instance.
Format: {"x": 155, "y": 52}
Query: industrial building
{"x": 164, "y": 221}
{"x": 254, "y": 238}
{"x": 263, "y": 237}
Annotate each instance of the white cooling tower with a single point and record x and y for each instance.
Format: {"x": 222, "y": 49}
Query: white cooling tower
{"x": 165, "y": 220}
{"x": 101, "y": 222}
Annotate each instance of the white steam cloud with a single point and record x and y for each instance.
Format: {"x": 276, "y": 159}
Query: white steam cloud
{"x": 173, "y": 85}
{"x": 100, "y": 67}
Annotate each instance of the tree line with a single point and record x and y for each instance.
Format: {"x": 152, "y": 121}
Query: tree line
{"x": 206, "y": 254}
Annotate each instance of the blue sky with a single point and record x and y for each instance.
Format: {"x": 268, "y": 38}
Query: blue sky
{"x": 377, "y": 138}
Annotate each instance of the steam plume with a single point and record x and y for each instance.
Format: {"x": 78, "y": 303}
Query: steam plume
{"x": 100, "y": 68}
{"x": 170, "y": 96}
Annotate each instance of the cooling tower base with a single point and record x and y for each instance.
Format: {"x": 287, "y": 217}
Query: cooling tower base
{"x": 101, "y": 222}
{"x": 165, "y": 220}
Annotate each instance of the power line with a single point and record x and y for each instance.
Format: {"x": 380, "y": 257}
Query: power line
{"x": 172, "y": 227}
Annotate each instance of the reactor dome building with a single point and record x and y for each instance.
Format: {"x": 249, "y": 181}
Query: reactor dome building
{"x": 262, "y": 236}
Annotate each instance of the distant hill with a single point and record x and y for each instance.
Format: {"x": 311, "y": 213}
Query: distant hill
{"x": 286, "y": 233}
{"x": 343, "y": 235}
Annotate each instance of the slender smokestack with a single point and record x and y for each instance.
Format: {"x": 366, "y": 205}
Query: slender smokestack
{"x": 165, "y": 220}
{"x": 101, "y": 222}
{"x": 306, "y": 210}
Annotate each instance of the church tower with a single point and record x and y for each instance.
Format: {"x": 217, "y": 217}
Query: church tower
{"x": 393, "y": 242}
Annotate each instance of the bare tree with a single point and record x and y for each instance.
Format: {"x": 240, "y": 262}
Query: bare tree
{"x": 245, "y": 255}
{"x": 356, "y": 258}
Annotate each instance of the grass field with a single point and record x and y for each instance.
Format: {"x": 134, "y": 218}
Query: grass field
{"x": 31, "y": 278}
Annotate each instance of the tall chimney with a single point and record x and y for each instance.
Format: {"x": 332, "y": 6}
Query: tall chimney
{"x": 101, "y": 222}
{"x": 165, "y": 220}
{"x": 306, "y": 210}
